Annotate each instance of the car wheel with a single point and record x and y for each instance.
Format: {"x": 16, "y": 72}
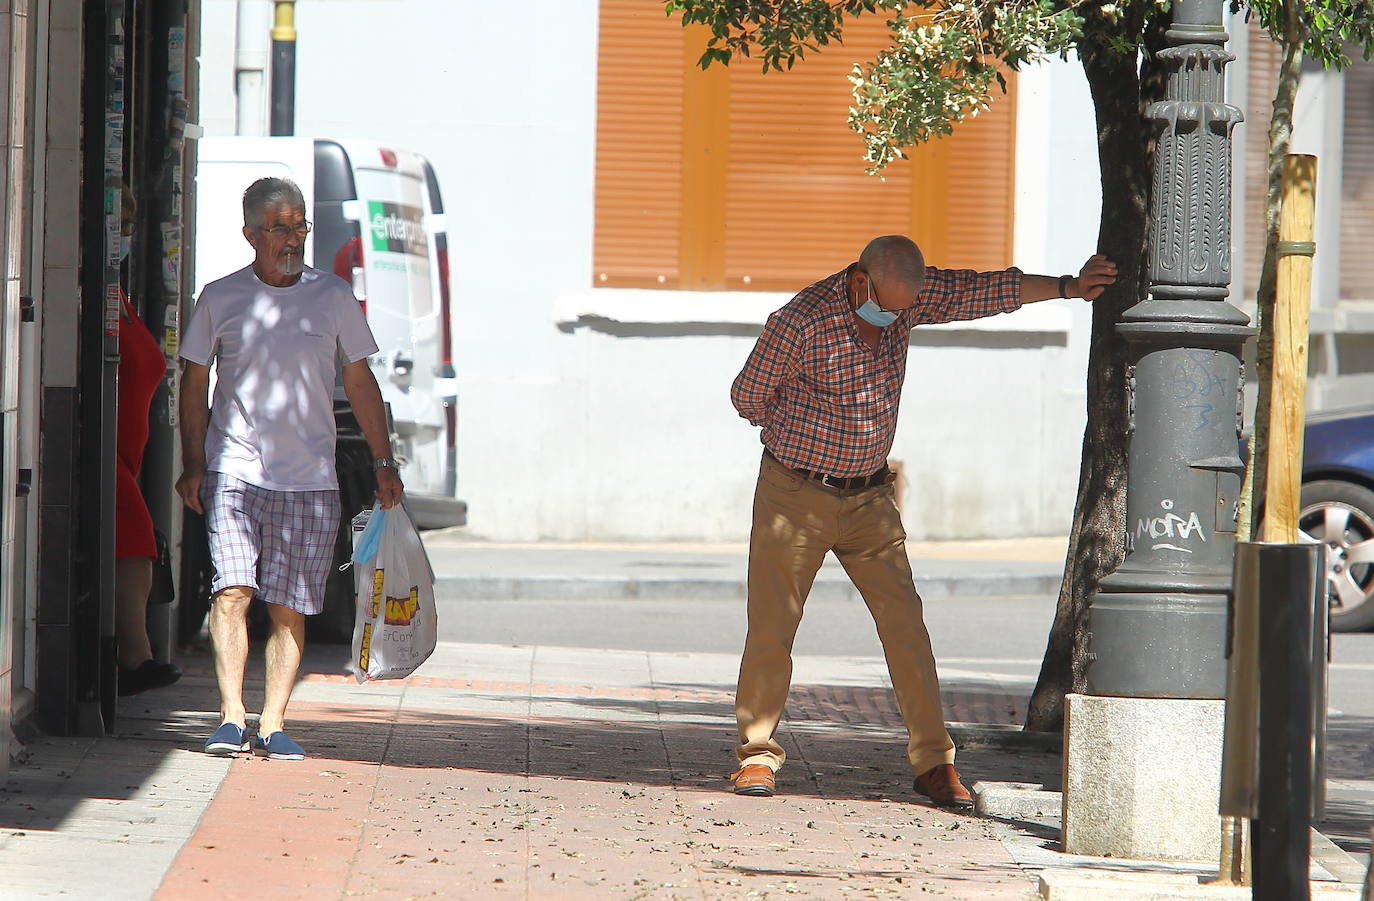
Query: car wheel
{"x": 1341, "y": 516}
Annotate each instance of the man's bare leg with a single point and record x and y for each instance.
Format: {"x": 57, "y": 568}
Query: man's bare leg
{"x": 229, "y": 631}
{"x": 284, "y": 645}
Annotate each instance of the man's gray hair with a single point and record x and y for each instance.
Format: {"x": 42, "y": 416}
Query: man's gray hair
{"x": 268, "y": 194}
{"x": 892, "y": 257}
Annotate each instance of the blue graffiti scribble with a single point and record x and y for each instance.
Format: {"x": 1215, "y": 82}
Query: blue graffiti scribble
{"x": 1193, "y": 377}
{"x": 1204, "y": 418}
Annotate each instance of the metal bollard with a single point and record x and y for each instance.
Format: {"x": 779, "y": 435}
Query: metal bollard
{"x": 1272, "y": 769}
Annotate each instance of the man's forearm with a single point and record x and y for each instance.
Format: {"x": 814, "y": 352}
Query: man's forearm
{"x": 1046, "y": 287}
{"x": 193, "y": 429}
{"x": 194, "y": 412}
{"x": 753, "y": 393}
{"x": 366, "y": 399}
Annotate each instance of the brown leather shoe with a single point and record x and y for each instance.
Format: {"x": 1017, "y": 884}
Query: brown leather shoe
{"x": 942, "y": 786}
{"x": 754, "y": 779}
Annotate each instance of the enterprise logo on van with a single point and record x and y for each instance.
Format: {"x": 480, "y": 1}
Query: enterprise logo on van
{"x": 396, "y": 228}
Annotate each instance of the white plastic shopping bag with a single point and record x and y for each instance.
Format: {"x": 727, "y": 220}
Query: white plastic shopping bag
{"x": 395, "y": 629}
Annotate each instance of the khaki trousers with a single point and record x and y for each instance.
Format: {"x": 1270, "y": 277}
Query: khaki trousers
{"x": 796, "y": 521}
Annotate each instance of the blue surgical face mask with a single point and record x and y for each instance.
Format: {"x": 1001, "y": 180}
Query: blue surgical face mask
{"x": 870, "y": 312}
{"x": 125, "y": 242}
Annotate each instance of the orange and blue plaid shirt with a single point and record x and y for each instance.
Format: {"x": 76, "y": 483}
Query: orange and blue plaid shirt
{"x": 826, "y": 402}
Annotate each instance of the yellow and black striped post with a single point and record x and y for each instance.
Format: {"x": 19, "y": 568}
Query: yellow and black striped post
{"x": 283, "y": 120}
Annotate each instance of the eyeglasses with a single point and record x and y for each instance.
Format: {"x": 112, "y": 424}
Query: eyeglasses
{"x": 281, "y": 231}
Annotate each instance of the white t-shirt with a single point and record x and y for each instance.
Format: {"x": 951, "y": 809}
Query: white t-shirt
{"x": 272, "y": 416}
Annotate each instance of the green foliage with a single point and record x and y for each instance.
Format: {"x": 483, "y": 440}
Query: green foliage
{"x": 945, "y": 57}
{"x": 944, "y": 60}
{"x": 941, "y": 68}
{"x": 781, "y": 30}
{"x": 1331, "y": 27}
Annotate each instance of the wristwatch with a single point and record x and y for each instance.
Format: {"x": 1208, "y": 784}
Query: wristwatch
{"x": 385, "y": 463}
{"x": 1064, "y": 285}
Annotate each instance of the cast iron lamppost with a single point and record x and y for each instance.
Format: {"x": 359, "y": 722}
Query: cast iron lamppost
{"x": 1158, "y": 624}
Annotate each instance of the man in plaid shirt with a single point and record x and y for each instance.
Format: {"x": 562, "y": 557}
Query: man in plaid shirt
{"x": 824, "y": 382}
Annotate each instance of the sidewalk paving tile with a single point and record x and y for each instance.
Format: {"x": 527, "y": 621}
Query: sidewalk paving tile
{"x": 577, "y": 774}
{"x": 530, "y": 773}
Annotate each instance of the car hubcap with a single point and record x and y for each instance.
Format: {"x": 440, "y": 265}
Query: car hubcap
{"x": 1348, "y": 534}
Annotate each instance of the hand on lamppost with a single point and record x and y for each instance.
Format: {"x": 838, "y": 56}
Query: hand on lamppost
{"x": 1093, "y": 278}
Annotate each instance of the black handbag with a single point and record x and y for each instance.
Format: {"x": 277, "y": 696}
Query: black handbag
{"x": 164, "y": 589}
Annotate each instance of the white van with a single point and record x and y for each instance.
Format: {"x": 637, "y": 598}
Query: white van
{"x": 379, "y": 224}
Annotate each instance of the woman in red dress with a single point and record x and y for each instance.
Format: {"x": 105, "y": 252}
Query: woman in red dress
{"x": 141, "y": 367}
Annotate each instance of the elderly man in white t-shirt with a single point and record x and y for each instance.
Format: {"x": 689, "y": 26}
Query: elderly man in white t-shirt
{"x": 259, "y": 460}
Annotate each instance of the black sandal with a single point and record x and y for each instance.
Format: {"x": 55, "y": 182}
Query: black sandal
{"x": 147, "y": 675}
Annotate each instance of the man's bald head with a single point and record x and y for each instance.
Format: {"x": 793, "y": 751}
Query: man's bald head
{"x": 897, "y": 268}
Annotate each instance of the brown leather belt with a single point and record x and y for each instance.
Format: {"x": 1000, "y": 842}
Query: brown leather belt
{"x": 847, "y": 483}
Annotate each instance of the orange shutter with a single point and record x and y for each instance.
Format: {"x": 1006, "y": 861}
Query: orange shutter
{"x": 979, "y": 206}
{"x": 1357, "y": 184}
{"x": 638, "y": 146}
{"x": 772, "y": 189}
{"x": 801, "y": 205}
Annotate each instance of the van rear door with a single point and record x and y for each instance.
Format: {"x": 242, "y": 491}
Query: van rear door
{"x": 393, "y": 206}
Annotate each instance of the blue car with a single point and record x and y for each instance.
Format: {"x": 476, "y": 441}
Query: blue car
{"x": 1337, "y": 509}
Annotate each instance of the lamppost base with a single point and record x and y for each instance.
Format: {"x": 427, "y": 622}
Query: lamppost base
{"x": 1155, "y": 634}
{"x": 1141, "y": 778}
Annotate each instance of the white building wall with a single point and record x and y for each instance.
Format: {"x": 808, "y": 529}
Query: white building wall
{"x": 1318, "y": 128}
{"x": 576, "y": 424}
{"x": 14, "y": 77}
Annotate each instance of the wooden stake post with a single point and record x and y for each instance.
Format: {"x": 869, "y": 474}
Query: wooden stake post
{"x": 1289, "y": 384}
{"x": 1282, "y": 490}
{"x": 1286, "y": 875}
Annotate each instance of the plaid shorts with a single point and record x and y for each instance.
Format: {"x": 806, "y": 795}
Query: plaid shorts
{"x": 280, "y": 543}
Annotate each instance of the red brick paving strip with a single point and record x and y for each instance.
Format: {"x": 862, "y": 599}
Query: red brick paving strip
{"x": 823, "y": 703}
{"x": 278, "y": 829}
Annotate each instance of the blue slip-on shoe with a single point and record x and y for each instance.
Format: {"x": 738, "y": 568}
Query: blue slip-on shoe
{"x": 278, "y": 746}
{"x": 228, "y": 740}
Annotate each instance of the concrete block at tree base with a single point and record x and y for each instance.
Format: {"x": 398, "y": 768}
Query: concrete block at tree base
{"x": 1142, "y": 778}
{"x": 1016, "y": 801}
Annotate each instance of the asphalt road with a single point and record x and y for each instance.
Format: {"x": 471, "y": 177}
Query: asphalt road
{"x": 1011, "y": 629}
{"x": 1006, "y": 634}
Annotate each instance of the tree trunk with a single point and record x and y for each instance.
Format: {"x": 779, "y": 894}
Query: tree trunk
{"x": 1280, "y": 135}
{"x": 1120, "y": 92}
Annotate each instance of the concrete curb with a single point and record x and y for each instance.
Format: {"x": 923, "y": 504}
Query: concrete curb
{"x": 1016, "y": 801}
{"x": 1337, "y": 860}
{"x": 633, "y": 588}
